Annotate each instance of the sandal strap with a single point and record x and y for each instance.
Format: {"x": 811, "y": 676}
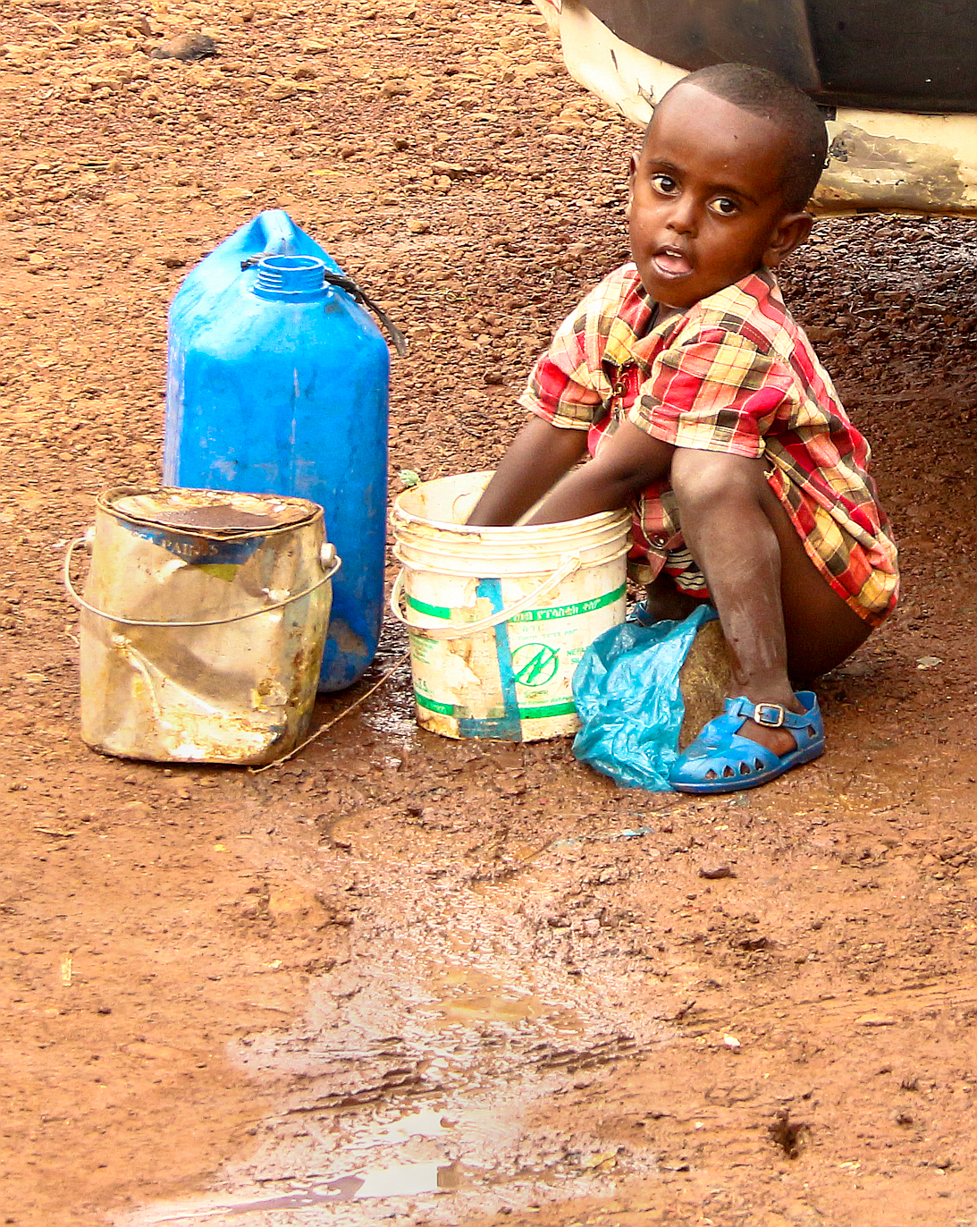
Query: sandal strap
{"x": 773, "y": 715}
{"x": 770, "y": 715}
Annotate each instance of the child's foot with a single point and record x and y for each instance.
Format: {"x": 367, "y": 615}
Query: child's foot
{"x": 780, "y": 740}
{"x": 728, "y": 754}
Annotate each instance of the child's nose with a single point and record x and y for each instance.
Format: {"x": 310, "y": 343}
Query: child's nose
{"x": 682, "y": 218}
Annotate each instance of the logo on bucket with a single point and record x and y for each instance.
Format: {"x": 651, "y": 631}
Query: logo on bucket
{"x": 535, "y": 664}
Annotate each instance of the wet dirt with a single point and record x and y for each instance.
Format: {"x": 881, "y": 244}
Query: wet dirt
{"x": 410, "y": 979}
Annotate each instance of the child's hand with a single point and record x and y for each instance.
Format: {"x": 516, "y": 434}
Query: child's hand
{"x": 627, "y": 463}
{"x": 539, "y": 456}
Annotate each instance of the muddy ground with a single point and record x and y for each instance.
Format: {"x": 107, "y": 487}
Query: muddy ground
{"x": 402, "y": 978}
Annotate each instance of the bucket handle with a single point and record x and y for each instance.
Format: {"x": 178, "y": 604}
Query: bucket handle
{"x": 329, "y": 559}
{"x": 456, "y": 631}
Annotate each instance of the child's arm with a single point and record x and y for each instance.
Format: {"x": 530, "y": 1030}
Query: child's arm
{"x": 537, "y": 458}
{"x": 626, "y": 463}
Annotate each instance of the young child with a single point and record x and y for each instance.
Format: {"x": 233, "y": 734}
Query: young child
{"x": 705, "y": 410}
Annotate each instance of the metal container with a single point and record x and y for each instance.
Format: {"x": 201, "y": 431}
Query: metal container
{"x": 202, "y": 624}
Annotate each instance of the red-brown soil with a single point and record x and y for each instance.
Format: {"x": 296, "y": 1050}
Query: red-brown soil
{"x": 232, "y": 987}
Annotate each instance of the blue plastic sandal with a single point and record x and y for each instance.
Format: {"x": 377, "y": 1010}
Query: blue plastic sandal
{"x": 719, "y": 760}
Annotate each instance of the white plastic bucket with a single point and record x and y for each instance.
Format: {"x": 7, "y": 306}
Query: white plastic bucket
{"x": 202, "y": 624}
{"x": 500, "y": 617}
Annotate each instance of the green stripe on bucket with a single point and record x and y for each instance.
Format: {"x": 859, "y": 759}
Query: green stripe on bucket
{"x": 528, "y": 615}
{"x": 443, "y": 709}
{"x": 525, "y": 713}
{"x": 432, "y": 611}
{"x": 570, "y": 611}
{"x": 543, "y": 713}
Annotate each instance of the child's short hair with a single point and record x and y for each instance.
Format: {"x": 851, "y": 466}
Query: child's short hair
{"x": 765, "y": 94}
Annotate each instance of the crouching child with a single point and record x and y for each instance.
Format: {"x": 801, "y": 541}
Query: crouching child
{"x": 705, "y": 410}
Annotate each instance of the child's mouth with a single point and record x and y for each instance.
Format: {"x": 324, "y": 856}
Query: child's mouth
{"x": 670, "y": 262}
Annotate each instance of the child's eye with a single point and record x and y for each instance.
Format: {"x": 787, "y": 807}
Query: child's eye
{"x": 663, "y": 183}
{"x": 725, "y": 206}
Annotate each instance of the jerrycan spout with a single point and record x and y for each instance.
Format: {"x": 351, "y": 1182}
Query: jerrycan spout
{"x": 291, "y": 279}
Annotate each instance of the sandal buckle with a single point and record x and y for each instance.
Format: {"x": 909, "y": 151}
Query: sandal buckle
{"x": 770, "y": 715}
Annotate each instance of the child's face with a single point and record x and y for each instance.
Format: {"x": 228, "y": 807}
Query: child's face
{"x": 706, "y": 207}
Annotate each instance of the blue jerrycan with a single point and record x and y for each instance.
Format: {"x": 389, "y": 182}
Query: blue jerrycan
{"x": 277, "y": 383}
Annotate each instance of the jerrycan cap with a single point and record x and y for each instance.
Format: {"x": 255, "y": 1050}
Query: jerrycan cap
{"x": 291, "y": 279}
{"x": 307, "y": 279}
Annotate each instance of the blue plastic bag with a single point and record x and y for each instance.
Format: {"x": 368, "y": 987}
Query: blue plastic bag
{"x": 626, "y": 689}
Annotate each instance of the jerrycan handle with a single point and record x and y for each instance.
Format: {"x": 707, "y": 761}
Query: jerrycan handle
{"x": 353, "y": 290}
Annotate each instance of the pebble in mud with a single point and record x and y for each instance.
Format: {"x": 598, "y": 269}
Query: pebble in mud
{"x": 713, "y": 870}
{"x": 185, "y": 47}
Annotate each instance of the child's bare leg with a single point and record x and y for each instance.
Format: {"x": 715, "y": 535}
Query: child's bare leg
{"x": 781, "y": 618}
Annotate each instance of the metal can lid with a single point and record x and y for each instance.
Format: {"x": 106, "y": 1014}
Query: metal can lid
{"x": 208, "y": 513}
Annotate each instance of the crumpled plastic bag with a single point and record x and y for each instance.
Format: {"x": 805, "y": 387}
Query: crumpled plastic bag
{"x": 626, "y": 689}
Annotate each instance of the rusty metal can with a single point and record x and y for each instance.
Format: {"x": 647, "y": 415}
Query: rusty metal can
{"x": 202, "y": 624}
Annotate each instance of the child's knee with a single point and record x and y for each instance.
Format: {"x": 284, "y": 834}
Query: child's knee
{"x": 711, "y": 481}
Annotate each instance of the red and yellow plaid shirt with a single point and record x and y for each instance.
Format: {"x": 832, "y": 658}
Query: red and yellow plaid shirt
{"x": 734, "y": 373}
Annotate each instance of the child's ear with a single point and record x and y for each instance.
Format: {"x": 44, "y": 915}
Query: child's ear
{"x": 632, "y": 168}
{"x": 791, "y": 231}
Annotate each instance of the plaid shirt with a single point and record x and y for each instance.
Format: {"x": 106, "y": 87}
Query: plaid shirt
{"x": 734, "y": 373}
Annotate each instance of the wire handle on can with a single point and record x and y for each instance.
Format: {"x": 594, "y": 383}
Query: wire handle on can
{"x": 329, "y": 560}
{"x": 463, "y": 630}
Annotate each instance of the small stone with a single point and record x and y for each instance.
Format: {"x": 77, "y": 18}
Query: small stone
{"x": 185, "y": 47}
{"x": 535, "y": 68}
{"x": 171, "y": 260}
{"x": 281, "y": 90}
{"x": 713, "y": 870}
{"x": 417, "y": 225}
{"x": 494, "y": 378}
{"x": 877, "y": 1020}
{"x": 449, "y": 170}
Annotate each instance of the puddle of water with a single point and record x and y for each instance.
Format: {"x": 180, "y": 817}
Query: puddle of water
{"x": 395, "y": 716}
{"x": 428, "y": 1123}
{"x": 398, "y": 1180}
{"x": 494, "y": 1007}
{"x": 489, "y": 1001}
{"x": 418, "y": 1079}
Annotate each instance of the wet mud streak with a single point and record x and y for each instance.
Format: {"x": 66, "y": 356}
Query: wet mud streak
{"x": 787, "y": 1134}
{"x": 209, "y": 1002}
